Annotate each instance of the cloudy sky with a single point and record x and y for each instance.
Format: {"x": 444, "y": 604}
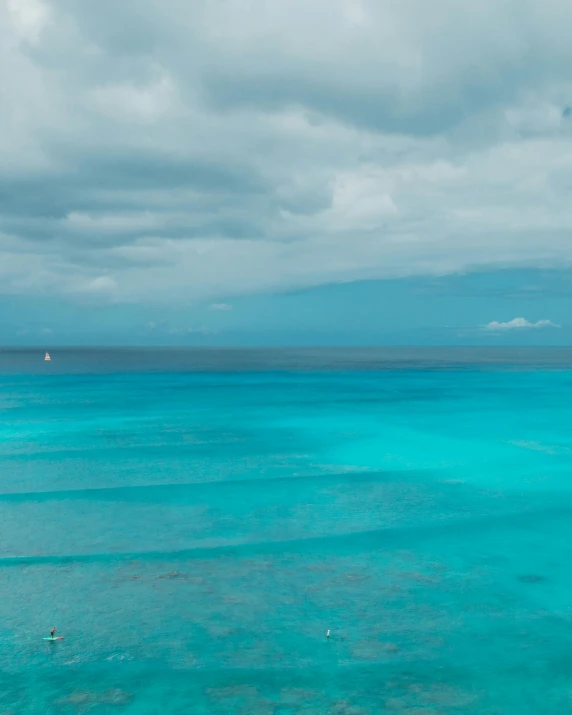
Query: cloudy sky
{"x": 285, "y": 171}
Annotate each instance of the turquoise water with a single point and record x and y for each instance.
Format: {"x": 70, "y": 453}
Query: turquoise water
{"x": 194, "y": 523}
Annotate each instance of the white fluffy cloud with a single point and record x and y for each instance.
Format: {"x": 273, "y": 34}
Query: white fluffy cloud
{"x": 166, "y": 150}
{"x": 27, "y": 18}
{"x": 520, "y": 324}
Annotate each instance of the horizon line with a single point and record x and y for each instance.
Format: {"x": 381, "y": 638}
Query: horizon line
{"x": 134, "y": 346}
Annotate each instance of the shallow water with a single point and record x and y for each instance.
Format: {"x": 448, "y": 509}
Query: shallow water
{"x": 194, "y": 532}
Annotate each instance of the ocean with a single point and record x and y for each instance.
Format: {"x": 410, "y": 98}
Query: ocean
{"x": 195, "y": 521}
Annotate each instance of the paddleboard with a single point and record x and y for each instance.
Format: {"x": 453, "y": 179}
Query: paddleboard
{"x": 57, "y": 638}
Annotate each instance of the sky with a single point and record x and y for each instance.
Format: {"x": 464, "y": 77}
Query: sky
{"x": 248, "y": 172}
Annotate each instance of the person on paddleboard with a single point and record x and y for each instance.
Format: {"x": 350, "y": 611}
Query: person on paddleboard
{"x": 53, "y": 632}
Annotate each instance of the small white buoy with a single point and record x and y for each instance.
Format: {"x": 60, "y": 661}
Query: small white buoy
{"x": 328, "y": 633}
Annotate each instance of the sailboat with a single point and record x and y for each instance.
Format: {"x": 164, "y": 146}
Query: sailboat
{"x": 47, "y": 356}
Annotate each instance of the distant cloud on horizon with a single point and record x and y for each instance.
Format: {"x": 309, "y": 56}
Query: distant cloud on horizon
{"x": 203, "y": 330}
{"x": 520, "y": 324}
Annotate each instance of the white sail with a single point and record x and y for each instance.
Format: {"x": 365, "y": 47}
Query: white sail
{"x": 47, "y": 356}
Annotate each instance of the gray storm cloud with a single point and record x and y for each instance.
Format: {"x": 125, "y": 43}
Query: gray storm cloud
{"x": 161, "y": 149}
